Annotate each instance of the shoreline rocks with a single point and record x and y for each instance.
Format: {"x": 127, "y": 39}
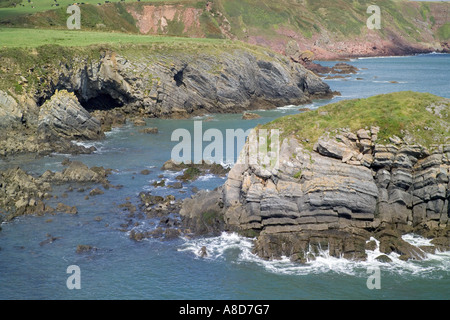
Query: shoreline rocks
{"x": 24, "y": 194}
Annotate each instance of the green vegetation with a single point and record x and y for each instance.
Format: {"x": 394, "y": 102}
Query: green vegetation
{"x": 298, "y": 175}
{"x": 403, "y": 114}
{"x": 444, "y": 32}
{"x": 32, "y": 38}
{"x": 190, "y": 174}
{"x": 9, "y": 3}
{"x": 211, "y": 217}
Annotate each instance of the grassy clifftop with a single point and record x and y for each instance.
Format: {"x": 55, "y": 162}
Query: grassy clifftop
{"x": 416, "y": 117}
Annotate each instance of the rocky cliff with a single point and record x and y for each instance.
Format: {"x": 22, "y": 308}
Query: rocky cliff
{"x": 351, "y": 186}
{"x": 162, "y": 80}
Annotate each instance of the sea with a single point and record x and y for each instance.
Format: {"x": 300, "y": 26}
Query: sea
{"x": 119, "y": 268}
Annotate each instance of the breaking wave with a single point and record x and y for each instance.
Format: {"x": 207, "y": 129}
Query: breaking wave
{"x": 233, "y": 248}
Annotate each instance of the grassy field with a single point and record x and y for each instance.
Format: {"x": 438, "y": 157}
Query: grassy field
{"x": 397, "y": 114}
{"x": 31, "y": 38}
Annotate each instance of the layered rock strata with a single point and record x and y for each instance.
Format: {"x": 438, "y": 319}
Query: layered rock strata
{"x": 348, "y": 189}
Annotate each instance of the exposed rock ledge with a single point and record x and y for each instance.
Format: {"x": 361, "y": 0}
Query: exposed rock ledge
{"x": 336, "y": 197}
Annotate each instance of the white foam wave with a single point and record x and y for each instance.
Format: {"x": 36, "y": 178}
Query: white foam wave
{"x": 416, "y": 240}
{"x": 216, "y": 247}
{"x": 206, "y": 177}
{"x": 290, "y": 107}
{"x": 389, "y": 81}
{"x": 227, "y": 164}
{"x": 98, "y": 145}
{"x": 116, "y": 130}
{"x": 382, "y": 57}
{"x": 237, "y": 249}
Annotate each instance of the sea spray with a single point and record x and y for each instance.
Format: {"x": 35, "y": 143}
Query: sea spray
{"x": 237, "y": 249}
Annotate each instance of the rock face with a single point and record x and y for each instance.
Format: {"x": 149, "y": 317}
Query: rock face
{"x": 348, "y": 189}
{"x": 10, "y": 113}
{"x": 166, "y": 82}
{"x": 62, "y": 119}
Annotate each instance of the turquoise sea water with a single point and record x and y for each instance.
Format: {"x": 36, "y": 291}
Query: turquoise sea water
{"x": 121, "y": 268}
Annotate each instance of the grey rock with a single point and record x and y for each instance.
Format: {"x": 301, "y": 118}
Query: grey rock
{"x": 64, "y": 118}
{"x": 10, "y": 113}
{"x": 383, "y": 178}
{"x": 402, "y": 179}
{"x": 315, "y": 200}
{"x": 332, "y": 148}
{"x": 363, "y": 134}
{"x": 383, "y": 159}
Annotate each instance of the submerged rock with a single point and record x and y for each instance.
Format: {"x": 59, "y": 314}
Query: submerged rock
{"x": 383, "y": 258}
{"x": 61, "y": 207}
{"x": 83, "y": 248}
{"x": 96, "y": 192}
{"x": 250, "y": 116}
{"x": 203, "y": 253}
{"x": 152, "y": 130}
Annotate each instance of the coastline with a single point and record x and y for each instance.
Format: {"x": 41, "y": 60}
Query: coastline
{"x": 99, "y": 219}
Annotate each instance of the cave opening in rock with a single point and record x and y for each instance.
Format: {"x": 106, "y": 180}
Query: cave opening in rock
{"x": 178, "y": 77}
{"x": 102, "y": 101}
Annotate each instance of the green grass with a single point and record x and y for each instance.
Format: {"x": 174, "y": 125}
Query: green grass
{"x": 31, "y": 38}
{"x": 444, "y": 32}
{"x": 400, "y": 114}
